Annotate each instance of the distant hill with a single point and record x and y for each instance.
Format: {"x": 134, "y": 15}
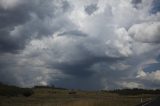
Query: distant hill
{"x": 9, "y": 90}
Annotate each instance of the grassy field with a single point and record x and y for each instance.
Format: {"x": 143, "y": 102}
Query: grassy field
{"x": 60, "y": 97}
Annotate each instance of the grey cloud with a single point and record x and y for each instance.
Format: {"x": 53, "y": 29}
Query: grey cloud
{"x": 73, "y": 33}
{"x": 78, "y": 63}
{"x": 158, "y": 58}
{"x": 16, "y": 16}
{"x": 33, "y": 20}
{"x": 90, "y": 75}
{"x": 9, "y": 19}
{"x": 136, "y": 1}
{"x": 90, "y": 9}
{"x": 82, "y": 68}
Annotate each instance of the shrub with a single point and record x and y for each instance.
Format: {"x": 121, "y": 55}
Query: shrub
{"x": 27, "y": 92}
{"x": 72, "y": 92}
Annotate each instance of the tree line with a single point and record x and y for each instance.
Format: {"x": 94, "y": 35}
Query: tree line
{"x": 136, "y": 91}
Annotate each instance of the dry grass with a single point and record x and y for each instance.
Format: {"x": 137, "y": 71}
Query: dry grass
{"x": 54, "y": 97}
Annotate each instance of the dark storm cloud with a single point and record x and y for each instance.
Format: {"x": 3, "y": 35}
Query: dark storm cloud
{"x": 80, "y": 83}
{"x": 9, "y": 44}
{"x": 81, "y": 68}
{"x": 29, "y": 18}
{"x": 6, "y": 74}
{"x": 90, "y": 9}
{"x": 9, "y": 18}
{"x": 12, "y": 17}
{"x": 87, "y": 74}
{"x": 136, "y": 3}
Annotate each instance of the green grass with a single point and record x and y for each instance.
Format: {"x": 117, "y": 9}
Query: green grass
{"x": 57, "y": 97}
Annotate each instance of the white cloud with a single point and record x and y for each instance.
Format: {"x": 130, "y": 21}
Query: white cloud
{"x": 150, "y": 76}
{"x": 146, "y": 32}
{"x": 131, "y": 85}
{"x": 9, "y": 4}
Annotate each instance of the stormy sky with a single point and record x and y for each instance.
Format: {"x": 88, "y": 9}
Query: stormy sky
{"x": 80, "y": 44}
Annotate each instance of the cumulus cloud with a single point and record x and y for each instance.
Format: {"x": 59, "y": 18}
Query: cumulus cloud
{"x": 131, "y": 85}
{"x": 150, "y": 79}
{"x": 78, "y": 44}
{"x": 146, "y": 32}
